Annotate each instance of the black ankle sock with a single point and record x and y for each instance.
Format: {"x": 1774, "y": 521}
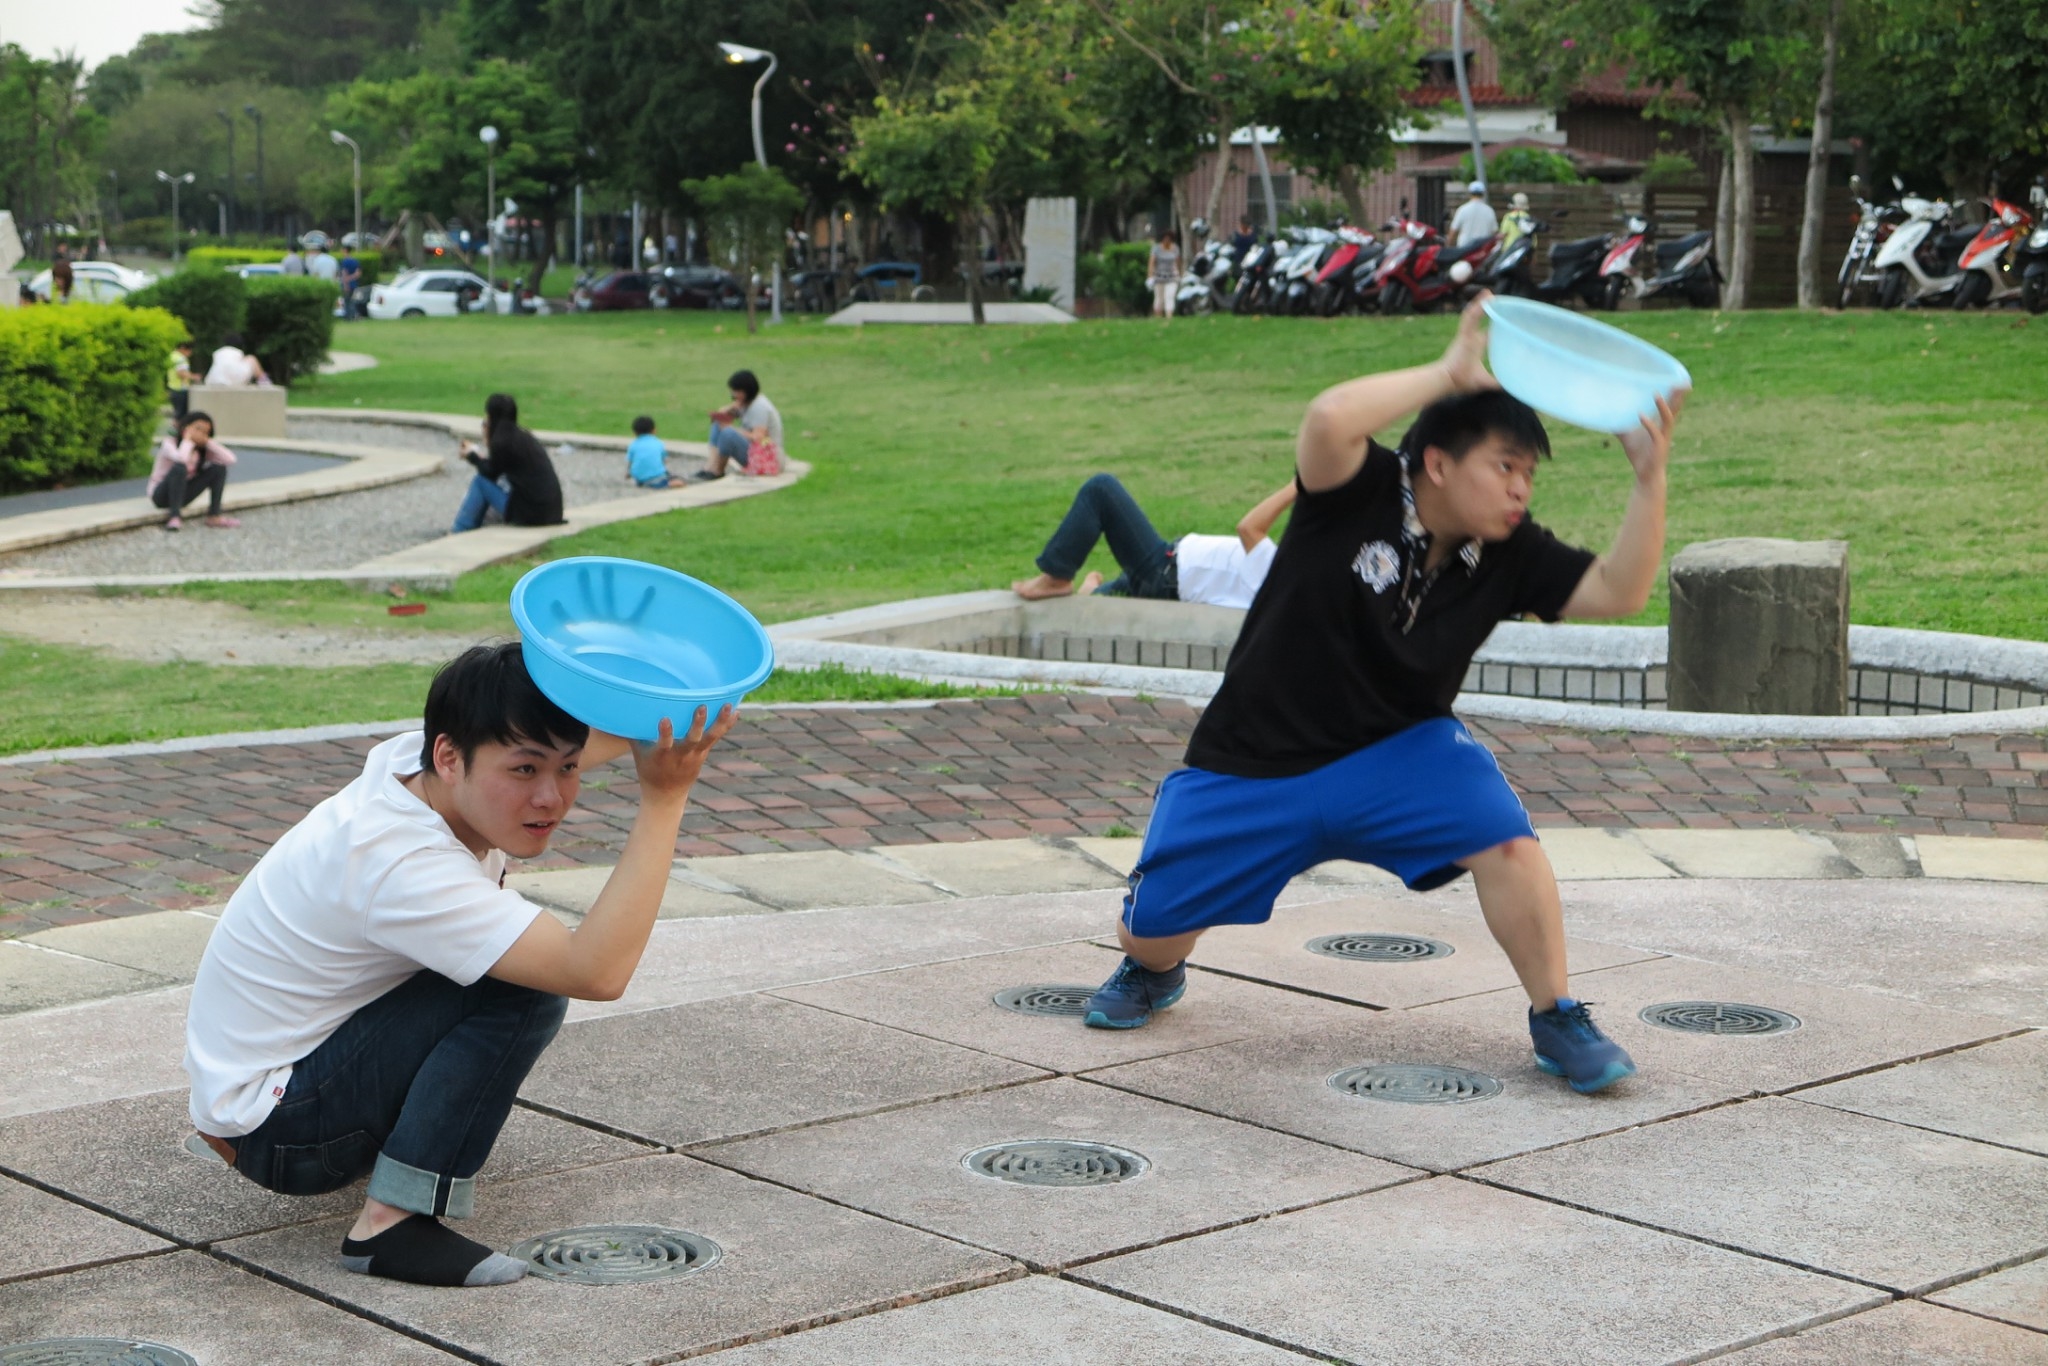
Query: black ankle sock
{"x": 425, "y": 1251}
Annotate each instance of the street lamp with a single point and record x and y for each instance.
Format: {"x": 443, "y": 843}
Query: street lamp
{"x": 341, "y": 139}
{"x": 115, "y": 176}
{"x": 739, "y": 54}
{"x": 234, "y": 204}
{"x": 257, "y": 114}
{"x": 489, "y": 134}
{"x": 174, "y": 181}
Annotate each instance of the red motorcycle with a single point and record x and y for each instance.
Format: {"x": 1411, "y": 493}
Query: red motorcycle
{"x": 1986, "y": 280}
{"x": 1420, "y": 270}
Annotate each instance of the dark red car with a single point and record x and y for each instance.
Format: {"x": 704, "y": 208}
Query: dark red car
{"x": 622, "y": 289}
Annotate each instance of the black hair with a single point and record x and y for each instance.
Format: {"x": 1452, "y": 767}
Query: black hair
{"x": 642, "y": 426}
{"x": 233, "y": 339}
{"x": 501, "y": 410}
{"x": 744, "y": 381}
{"x": 485, "y": 696}
{"x": 185, "y": 345}
{"x": 185, "y": 423}
{"x": 1456, "y": 424}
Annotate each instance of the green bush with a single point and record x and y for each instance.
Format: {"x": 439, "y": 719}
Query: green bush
{"x": 211, "y": 303}
{"x": 290, "y": 323}
{"x": 151, "y": 234}
{"x": 1669, "y": 168}
{"x": 1117, "y": 274}
{"x": 79, "y": 392}
{"x": 226, "y": 258}
{"x": 1525, "y": 166}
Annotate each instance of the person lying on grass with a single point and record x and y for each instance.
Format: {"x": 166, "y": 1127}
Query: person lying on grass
{"x": 374, "y": 996}
{"x": 1225, "y": 571}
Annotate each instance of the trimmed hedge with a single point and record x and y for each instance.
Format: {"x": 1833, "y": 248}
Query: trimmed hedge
{"x": 290, "y": 323}
{"x": 211, "y": 304}
{"x": 79, "y": 392}
{"x": 1117, "y": 274}
{"x": 225, "y": 258}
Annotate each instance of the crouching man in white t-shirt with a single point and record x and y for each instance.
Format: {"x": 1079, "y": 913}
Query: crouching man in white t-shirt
{"x": 373, "y": 996}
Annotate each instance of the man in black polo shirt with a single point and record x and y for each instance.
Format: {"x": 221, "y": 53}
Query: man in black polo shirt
{"x": 1332, "y": 735}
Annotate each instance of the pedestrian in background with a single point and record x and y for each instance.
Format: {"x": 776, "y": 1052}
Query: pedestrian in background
{"x": 1164, "y": 274}
{"x": 351, "y": 276}
{"x": 1474, "y": 221}
{"x": 60, "y": 275}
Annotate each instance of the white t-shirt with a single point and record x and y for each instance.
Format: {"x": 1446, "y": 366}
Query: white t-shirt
{"x": 368, "y": 889}
{"x": 762, "y": 413}
{"x": 1218, "y": 570}
{"x": 230, "y": 365}
{"x": 323, "y": 266}
{"x": 1473, "y": 222}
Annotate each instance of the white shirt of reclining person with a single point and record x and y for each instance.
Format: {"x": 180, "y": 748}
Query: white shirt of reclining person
{"x": 230, "y": 366}
{"x": 1218, "y": 570}
{"x": 368, "y": 889}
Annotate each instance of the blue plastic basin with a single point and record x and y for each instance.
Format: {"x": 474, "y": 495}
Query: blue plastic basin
{"x": 619, "y": 644}
{"x": 1575, "y": 369}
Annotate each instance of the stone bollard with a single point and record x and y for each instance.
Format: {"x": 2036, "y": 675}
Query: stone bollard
{"x": 1760, "y": 626}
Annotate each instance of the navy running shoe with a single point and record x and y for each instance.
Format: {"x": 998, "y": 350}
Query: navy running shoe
{"x": 1570, "y": 1045}
{"x": 1132, "y": 993}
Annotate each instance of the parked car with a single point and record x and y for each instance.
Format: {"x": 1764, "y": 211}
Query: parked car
{"x": 95, "y": 282}
{"x": 702, "y": 287}
{"x": 622, "y": 289}
{"x": 259, "y": 268}
{"x": 430, "y": 293}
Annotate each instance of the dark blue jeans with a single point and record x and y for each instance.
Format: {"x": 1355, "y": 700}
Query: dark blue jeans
{"x": 412, "y": 1091}
{"x": 1104, "y": 508}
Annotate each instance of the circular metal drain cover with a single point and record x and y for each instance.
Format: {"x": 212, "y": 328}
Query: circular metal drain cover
{"x": 1055, "y": 1162}
{"x": 92, "y": 1352}
{"x": 617, "y": 1254}
{"x": 1041, "y": 999}
{"x": 1718, "y": 1017}
{"x": 1379, "y": 948}
{"x": 1416, "y": 1083}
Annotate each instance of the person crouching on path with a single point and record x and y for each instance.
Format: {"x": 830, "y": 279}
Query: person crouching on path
{"x": 1332, "y": 737}
{"x": 746, "y": 432}
{"x": 531, "y": 494}
{"x": 187, "y": 465}
{"x": 1224, "y": 571}
{"x": 374, "y": 996}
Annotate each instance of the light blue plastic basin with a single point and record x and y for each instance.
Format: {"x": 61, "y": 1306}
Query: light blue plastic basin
{"x": 1575, "y": 369}
{"x": 619, "y": 644}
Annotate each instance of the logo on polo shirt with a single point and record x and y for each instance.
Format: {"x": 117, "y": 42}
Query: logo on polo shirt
{"x": 1378, "y": 565}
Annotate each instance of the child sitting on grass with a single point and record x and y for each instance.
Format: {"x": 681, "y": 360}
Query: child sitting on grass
{"x": 647, "y": 458}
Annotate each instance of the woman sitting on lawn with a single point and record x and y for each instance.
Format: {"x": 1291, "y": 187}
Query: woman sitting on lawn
{"x": 187, "y": 464}
{"x": 534, "y": 495}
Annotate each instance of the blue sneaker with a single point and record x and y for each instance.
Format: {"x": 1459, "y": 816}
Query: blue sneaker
{"x": 1132, "y": 993}
{"x": 1570, "y": 1045}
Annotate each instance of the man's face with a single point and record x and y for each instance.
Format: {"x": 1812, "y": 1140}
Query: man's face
{"x": 1487, "y": 493}
{"x": 510, "y": 797}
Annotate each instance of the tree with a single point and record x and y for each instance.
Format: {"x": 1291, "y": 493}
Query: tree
{"x": 745, "y": 216}
{"x": 48, "y": 137}
{"x": 1814, "y": 210}
{"x": 304, "y": 44}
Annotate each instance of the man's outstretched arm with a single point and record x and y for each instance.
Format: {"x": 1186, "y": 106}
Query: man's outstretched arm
{"x": 1258, "y": 523}
{"x": 1618, "y": 583}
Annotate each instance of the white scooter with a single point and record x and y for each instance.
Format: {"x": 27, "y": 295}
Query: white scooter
{"x": 1919, "y": 260}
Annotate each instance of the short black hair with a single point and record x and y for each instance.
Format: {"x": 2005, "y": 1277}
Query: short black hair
{"x": 642, "y": 425}
{"x": 185, "y": 345}
{"x": 1456, "y": 424}
{"x": 233, "y": 339}
{"x": 744, "y": 381}
{"x": 501, "y": 410}
{"x": 185, "y": 422}
{"x": 485, "y": 696}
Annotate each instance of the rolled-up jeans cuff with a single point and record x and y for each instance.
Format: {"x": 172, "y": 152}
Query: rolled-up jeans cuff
{"x": 422, "y": 1192}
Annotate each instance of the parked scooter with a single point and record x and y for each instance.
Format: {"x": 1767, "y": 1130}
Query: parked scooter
{"x": 1920, "y": 260}
{"x": 1296, "y": 274}
{"x": 1986, "y": 278}
{"x": 1874, "y": 224}
{"x": 1684, "y": 266}
{"x": 2030, "y": 258}
{"x": 1331, "y": 293}
{"x": 1254, "y": 274}
{"x": 1206, "y": 278}
{"x": 1575, "y": 271}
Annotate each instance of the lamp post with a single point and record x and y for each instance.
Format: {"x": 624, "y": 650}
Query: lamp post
{"x": 174, "y": 181}
{"x": 739, "y": 55}
{"x": 257, "y": 114}
{"x": 489, "y": 134}
{"x": 341, "y": 139}
{"x": 228, "y": 122}
{"x": 115, "y": 176}
{"x": 221, "y": 206}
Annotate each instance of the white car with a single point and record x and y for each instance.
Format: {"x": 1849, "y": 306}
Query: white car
{"x": 430, "y": 293}
{"x": 96, "y": 282}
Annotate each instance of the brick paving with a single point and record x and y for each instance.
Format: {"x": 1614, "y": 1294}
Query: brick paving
{"x": 93, "y": 838}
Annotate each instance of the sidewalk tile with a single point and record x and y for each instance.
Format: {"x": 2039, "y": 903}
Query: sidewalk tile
{"x": 38, "y": 979}
{"x": 166, "y": 943}
{"x": 2018, "y": 1295}
{"x": 808, "y": 881}
{"x": 1762, "y": 854}
{"x": 1997, "y": 1092}
{"x": 1991, "y": 860}
{"x": 575, "y": 891}
{"x": 1001, "y": 867}
{"x": 40, "y": 1233}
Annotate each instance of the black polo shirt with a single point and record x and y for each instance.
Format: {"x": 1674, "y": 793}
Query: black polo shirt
{"x": 1349, "y": 641}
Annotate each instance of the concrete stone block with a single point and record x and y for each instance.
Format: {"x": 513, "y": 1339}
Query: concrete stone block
{"x": 1872, "y": 855}
{"x": 123, "y": 1046}
{"x": 747, "y": 1065}
{"x": 217, "y": 1314}
{"x": 1120, "y": 855}
{"x": 1760, "y": 626}
{"x": 166, "y": 944}
{"x": 240, "y": 412}
{"x": 1205, "y": 1172}
{"x": 999, "y": 867}
{"x": 1591, "y": 854}
{"x": 1903, "y": 1334}
{"x": 2018, "y": 1295}
{"x": 1983, "y": 860}
{"x": 789, "y": 1262}
{"x": 33, "y": 978}
{"x": 1842, "y": 1193}
{"x": 1440, "y": 1273}
{"x": 1997, "y": 1092}
{"x": 1050, "y": 244}
{"x": 1746, "y": 853}
{"x": 811, "y": 880}
{"x": 575, "y": 890}
{"x": 1037, "y": 1321}
{"x": 40, "y": 1233}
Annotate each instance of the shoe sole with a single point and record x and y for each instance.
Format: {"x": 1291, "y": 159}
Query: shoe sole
{"x": 1614, "y": 1072}
{"x": 1097, "y": 1020}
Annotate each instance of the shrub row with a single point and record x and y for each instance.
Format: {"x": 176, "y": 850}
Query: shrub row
{"x": 286, "y": 320}
{"x": 1116, "y": 275}
{"x": 79, "y": 391}
{"x": 226, "y": 258}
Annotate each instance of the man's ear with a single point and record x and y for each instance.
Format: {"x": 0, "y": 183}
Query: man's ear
{"x": 1434, "y": 458}
{"x": 448, "y": 761}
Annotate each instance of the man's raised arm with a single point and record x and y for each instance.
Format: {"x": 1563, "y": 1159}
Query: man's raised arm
{"x": 1619, "y": 582}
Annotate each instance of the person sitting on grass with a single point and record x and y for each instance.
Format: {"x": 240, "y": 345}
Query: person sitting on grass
{"x": 531, "y": 494}
{"x": 743, "y": 429}
{"x": 647, "y": 458}
{"x": 187, "y": 465}
{"x": 373, "y": 995}
{"x": 1224, "y": 571}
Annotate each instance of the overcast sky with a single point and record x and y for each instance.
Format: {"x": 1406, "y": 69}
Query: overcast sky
{"x": 94, "y": 29}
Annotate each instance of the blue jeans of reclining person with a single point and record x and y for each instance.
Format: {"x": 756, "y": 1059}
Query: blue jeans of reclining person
{"x": 411, "y": 1092}
{"x": 484, "y": 495}
{"x": 1104, "y": 509}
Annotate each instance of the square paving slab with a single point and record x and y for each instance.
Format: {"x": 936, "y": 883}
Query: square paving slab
{"x": 2017, "y": 1295}
{"x": 1996, "y": 1091}
{"x": 574, "y": 891}
{"x": 1594, "y": 855}
{"x": 908, "y": 1165}
{"x": 37, "y": 979}
{"x": 747, "y": 1065}
{"x": 1951, "y": 856}
{"x": 1414, "y": 938}
{"x": 1838, "y": 1192}
{"x": 788, "y": 1261}
{"x": 1446, "y": 1273}
{"x": 166, "y": 944}
{"x": 1839, "y": 1031}
{"x": 955, "y": 1001}
{"x": 130, "y": 1156}
{"x": 812, "y": 879}
{"x": 1904, "y": 1334}
{"x": 217, "y": 1314}
{"x": 40, "y": 1233}
{"x": 1001, "y": 867}
{"x": 1746, "y": 853}
{"x": 126, "y": 1046}
{"x": 1038, "y": 1321}
{"x": 1285, "y": 1083}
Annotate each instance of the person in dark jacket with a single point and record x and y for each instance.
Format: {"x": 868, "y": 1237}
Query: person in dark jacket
{"x": 529, "y": 494}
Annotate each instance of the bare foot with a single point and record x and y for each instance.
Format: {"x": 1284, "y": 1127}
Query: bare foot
{"x": 1091, "y": 583}
{"x": 1042, "y": 586}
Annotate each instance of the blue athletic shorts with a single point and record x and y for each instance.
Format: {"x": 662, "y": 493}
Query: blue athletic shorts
{"x": 1221, "y": 848}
